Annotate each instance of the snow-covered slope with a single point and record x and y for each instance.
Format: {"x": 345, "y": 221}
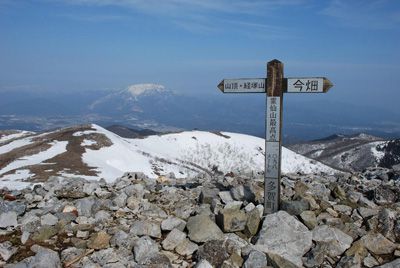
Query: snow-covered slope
{"x": 351, "y": 153}
{"x": 94, "y": 152}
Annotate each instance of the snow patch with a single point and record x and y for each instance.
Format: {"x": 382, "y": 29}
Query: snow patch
{"x": 14, "y": 144}
{"x": 140, "y": 89}
{"x": 16, "y": 180}
{"x": 57, "y": 147}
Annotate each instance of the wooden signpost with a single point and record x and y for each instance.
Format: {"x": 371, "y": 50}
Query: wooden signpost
{"x": 274, "y": 86}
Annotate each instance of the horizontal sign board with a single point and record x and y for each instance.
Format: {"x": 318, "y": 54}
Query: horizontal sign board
{"x": 251, "y": 85}
{"x": 305, "y": 85}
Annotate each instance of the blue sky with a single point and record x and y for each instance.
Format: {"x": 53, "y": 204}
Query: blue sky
{"x": 190, "y": 45}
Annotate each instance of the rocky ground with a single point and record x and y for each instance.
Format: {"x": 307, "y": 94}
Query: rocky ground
{"x": 325, "y": 221}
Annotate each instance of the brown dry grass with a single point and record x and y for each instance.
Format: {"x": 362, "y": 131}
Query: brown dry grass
{"x": 69, "y": 161}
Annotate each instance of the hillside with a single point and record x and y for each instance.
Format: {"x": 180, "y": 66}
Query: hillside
{"x": 93, "y": 152}
{"x": 351, "y": 153}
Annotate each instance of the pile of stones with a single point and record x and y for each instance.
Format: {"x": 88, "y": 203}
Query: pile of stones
{"x": 347, "y": 220}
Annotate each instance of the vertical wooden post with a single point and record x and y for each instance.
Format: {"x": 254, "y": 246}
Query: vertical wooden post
{"x": 273, "y": 136}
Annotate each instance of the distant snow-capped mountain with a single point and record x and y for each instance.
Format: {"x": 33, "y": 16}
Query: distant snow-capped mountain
{"x": 93, "y": 152}
{"x": 132, "y": 99}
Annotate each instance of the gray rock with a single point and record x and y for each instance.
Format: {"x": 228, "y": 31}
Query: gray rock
{"x": 232, "y": 220}
{"x": 24, "y": 237}
{"x": 370, "y": 261}
{"x": 120, "y": 200}
{"x": 256, "y": 259}
{"x": 71, "y": 253}
{"x": 16, "y": 206}
{"x": 145, "y": 227}
{"x": 186, "y": 248}
{"x": 349, "y": 262}
{"x": 105, "y": 256}
{"x": 309, "y": 219}
{"x": 44, "y": 258}
{"x": 393, "y": 264}
{"x": 284, "y": 239}
{"x": 172, "y": 223}
{"x": 100, "y": 240}
{"x": 242, "y": 193}
{"x": 336, "y": 240}
{"x": 48, "y": 219}
{"x": 135, "y": 190}
{"x": 173, "y": 239}
{"x": 202, "y": 229}
{"x": 253, "y": 223}
{"x": 295, "y": 207}
{"x": 122, "y": 240}
{"x": 8, "y": 219}
{"x": 7, "y": 250}
{"x": 84, "y": 206}
{"x": 73, "y": 189}
{"x": 102, "y": 216}
{"x": 90, "y": 188}
{"x": 367, "y": 212}
{"x": 384, "y": 195}
{"x": 234, "y": 205}
{"x": 378, "y": 244}
{"x": 386, "y": 223}
{"x": 143, "y": 248}
{"x": 44, "y": 232}
{"x": 249, "y": 207}
{"x": 214, "y": 251}
{"x": 203, "y": 264}
{"x": 207, "y": 195}
{"x": 225, "y": 196}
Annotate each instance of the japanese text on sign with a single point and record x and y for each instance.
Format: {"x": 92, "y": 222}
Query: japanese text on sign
{"x": 244, "y": 85}
{"x": 273, "y": 118}
{"x": 272, "y": 193}
{"x": 305, "y": 85}
{"x": 272, "y": 159}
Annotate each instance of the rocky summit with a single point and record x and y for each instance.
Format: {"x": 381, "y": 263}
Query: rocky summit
{"x": 346, "y": 220}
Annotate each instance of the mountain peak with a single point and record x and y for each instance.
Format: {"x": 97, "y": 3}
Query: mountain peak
{"x": 140, "y": 89}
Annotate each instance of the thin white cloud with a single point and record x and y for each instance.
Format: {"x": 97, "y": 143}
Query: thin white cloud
{"x": 378, "y": 14}
{"x": 207, "y": 16}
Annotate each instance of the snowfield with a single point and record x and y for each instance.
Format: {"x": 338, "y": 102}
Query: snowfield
{"x": 183, "y": 154}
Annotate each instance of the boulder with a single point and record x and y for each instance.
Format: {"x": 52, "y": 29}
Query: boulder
{"x": 8, "y": 219}
{"x": 256, "y": 259}
{"x": 146, "y": 227}
{"x": 378, "y": 244}
{"x": 232, "y": 220}
{"x": 202, "y": 229}
{"x": 99, "y": 240}
{"x": 173, "y": 239}
{"x": 284, "y": 239}
{"x": 337, "y": 241}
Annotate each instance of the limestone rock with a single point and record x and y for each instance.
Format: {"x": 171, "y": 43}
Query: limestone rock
{"x": 99, "y": 240}
{"x": 8, "y": 219}
{"x": 284, "y": 239}
{"x": 48, "y": 219}
{"x": 144, "y": 248}
{"x": 172, "y": 223}
{"x": 256, "y": 259}
{"x": 202, "y": 229}
{"x": 232, "y": 220}
{"x": 378, "y": 244}
{"x": 309, "y": 219}
{"x": 253, "y": 223}
{"x": 7, "y": 250}
{"x": 173, "y": 239}
{"x": 337, "y": 241}
{"x": 295, "y": 207}
{"x": 145, "y": 227}
{"x": 214, "y": 251}
{"x": 186, "y": 248}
